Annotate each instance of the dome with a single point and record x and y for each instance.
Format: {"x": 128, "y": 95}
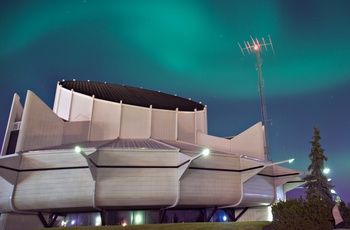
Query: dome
{"x": 131, "y": 95}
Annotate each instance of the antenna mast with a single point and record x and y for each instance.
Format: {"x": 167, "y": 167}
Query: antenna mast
{"x": 256, "y": 46}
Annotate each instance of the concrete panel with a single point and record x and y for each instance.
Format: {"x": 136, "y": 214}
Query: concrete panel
{"x": 40, "y": 127}
{"x": 204, "y": 187}
{"x": 135, "y": 122}
{"x": 258, "y": 190}
{"x": 246, "y": 163}
{"x": 138, "y": 158}
{"x": 186, "y": 127}
{"x": 201, "y": 121}
{"x": 49, "y": 189}
{"x": 218, "y": 143}
{"x": 5, "y": 194}
{"x": 51, "y": 160}
{"x": 105, "y": 120}
{"x": 136, "y": 187}
{"x": 63, "y": 103}
{"x": 164, "y": 125}
{"x": 14, "y": 116}
{"x": 217, "y": 161}
{"x": 81, "y": 107}
{"x": 250, "y": 142}
{"x": 75, "y": 131}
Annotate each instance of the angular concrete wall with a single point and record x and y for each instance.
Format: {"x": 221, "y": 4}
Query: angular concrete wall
{"x": 40, "y": 127}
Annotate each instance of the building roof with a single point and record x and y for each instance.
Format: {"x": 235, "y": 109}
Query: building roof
{"x": 131, "y": 95}
{"x": 117, "y": 144}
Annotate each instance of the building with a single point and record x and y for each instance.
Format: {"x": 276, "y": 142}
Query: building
{"x": 113, "y": 154}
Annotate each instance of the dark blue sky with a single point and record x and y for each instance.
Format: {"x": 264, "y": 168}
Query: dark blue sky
{"x": 189, "y": 48}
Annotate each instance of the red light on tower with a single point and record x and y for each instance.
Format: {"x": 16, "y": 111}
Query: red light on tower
{"x": 257, "y": 46}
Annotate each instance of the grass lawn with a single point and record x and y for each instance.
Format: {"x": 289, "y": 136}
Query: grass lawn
{"x": 254, "y": 225}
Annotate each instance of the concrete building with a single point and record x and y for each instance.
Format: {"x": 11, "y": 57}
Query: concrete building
{"x": 113, "y": 154}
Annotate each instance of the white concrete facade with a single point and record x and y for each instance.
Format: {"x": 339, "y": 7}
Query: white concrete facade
{"x": 162, "y": 168}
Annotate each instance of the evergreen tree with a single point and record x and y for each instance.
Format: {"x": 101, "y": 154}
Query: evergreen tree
{"x": 314, "y": 213}
{"x": 317, "y": 185}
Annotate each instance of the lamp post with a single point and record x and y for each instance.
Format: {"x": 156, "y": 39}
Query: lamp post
{"x": 326, "y": 170}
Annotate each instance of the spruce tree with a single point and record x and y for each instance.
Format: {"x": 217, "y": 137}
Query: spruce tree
{"x": 317, "y": 186}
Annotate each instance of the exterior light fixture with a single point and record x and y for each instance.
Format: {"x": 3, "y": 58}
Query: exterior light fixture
{"x": 77, "y": 149}
{"x": 205, "y": 152}
{"x": 326, "y": 170}
{"x": 281, "y": 162}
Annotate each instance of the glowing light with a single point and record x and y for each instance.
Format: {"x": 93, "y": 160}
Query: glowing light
{"x": 72, "y": 222}
{"x": 291, "y": 160}
{"x": 333, "y": 191}
{"x": 256, "y": 48}
{"x": 138, "y": 219}
{"x": 64, "y": 223}
{"x": 98, "y": 221}
{"x": 124, "y": 224}
{"x": 224, "y": 218}
{"x": 329, "y": 179}
{"x": 269, "y": 213}
{"x": 77, "y": 149}
{"x": 205, "y": 152}
{"x": 326, "y": 170}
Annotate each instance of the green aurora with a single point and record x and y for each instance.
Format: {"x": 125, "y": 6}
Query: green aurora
{"x": 189, "y": 48}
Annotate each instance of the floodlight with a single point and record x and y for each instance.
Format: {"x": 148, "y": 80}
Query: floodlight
{"x": 77, "y": 149}
{"x": 205, "y": 152}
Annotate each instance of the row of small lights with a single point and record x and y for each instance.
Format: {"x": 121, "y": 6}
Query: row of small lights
{"x": 140, "y": 88}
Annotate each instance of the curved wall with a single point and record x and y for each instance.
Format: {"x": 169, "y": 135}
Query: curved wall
{"x": 110, "y": 120}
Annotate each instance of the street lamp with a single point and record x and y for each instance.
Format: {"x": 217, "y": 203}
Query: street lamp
{"x": 326, "y": 170}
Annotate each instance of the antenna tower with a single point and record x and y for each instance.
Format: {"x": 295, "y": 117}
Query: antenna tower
{"x": 256, "y": 46}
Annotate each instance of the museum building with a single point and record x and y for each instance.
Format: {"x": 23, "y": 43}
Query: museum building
{"x": 109, "y": 154}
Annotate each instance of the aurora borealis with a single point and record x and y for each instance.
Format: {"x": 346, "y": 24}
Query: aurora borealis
{"x": 189, "y": 48}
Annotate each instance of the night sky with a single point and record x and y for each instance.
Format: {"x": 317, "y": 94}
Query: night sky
{"x": 189, "y": 48}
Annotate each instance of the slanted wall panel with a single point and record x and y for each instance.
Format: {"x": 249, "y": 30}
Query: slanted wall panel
{"x": 250, "y": 142}
{"x": 63, "y": 102}
{"x": 40, "y": 126}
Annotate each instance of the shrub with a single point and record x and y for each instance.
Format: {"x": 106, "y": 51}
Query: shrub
{"x": 301, "y": 214}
